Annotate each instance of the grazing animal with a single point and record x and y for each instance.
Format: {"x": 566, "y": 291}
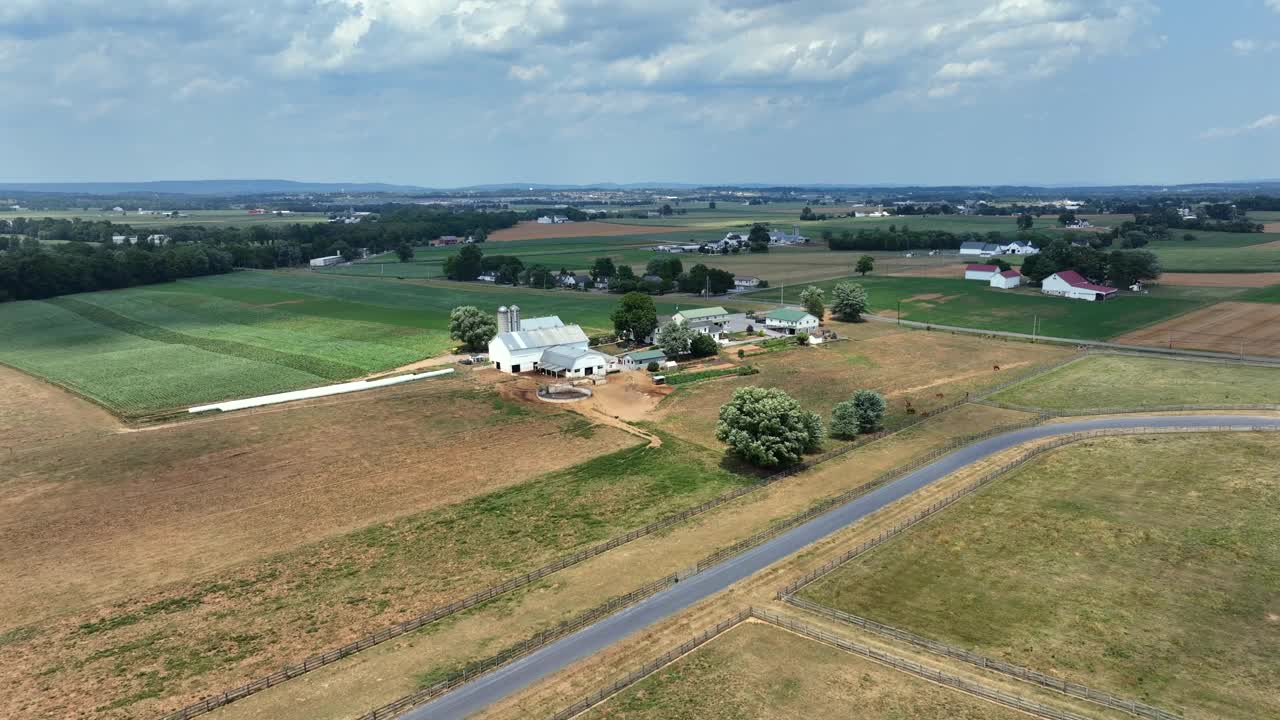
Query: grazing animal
{"x": 937, "y": 395}
{"x": 995, "y": 367}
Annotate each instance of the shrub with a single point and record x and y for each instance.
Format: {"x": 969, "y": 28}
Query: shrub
{"x": 653, "y": 366}
{"x": 704, "y": 346}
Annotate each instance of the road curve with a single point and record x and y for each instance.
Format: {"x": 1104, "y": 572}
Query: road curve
{"x": 521, "y": 673}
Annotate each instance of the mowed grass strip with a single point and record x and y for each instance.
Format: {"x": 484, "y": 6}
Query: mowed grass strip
{"x": 166, "y": 648}
{"x": 756, "y": 670}
{"x": 1122, "y": 381}
{"x": 973, "y": 304}
{"x": 1145, "y": 566}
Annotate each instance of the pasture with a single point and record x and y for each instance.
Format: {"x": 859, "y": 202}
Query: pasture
{"x": 1123, "y": 381}
{"x": 150, "y": 349}
{"x": 966, "y": 303}
{"x": 756, "y": 670}
{"x": 1143, "y": 566}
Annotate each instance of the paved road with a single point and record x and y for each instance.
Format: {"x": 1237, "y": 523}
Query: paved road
{"x": 511, "y": 678}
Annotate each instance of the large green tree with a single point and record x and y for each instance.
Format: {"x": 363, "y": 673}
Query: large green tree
{"x": 864, "y": 413}
{"x": 635, "y": 317}
{"x": 473, "y": 327}
{"x": 1026, "y": 222}
{"x": 404, "y": 251}
{"x": 703, "y": 345}
{"x": 675, "y": 338}
{"x": 758, "y": 238}
{"x": 1126, "y": 267}
{"x": 767, "y": 427}
{"x": 811, "y": 299}
{"x": 849, "y": 301}
{"x": 466, "y": 264}
{"x": 603, "y": 268}
{"x": 866, "y": 264}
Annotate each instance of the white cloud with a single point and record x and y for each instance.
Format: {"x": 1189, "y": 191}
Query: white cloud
{"x": 1245, "y": 47}
{"x": 1274, "y": 5}
{"x": 1262, "y": 123}
{"x": 977, "y": 68}
{"x": 527, "y": 73}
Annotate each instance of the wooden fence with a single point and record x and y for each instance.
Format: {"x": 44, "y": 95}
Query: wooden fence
{"x": 1082, "y": 692}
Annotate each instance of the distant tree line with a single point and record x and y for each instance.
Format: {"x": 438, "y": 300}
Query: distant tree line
{"x": 1120, "y": 268}
{"x": 898, "y": 238}
{"x": 30, "y": 271}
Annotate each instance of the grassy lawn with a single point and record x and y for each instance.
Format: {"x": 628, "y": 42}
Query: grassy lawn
{"x": 1218, "y": 252}
{"x": 965, "y": 303}
{"x": 148, "y": 349}
{"x": 1111, "y": 381}
{"x": 1146, "y": 566}
{"x": 759, "y": 671}
{"x": 192, "y": 638}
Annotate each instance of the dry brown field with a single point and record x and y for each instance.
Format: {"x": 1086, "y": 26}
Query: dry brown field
{"x": 530, "y": 230}
{"x": 93, "y": 511}
{"x": 1240, "y": 280}
{"x": 1273, "y": 227}
{"x": 1231, "y": 327}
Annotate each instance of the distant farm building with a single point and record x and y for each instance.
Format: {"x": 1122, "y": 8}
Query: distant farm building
{"x": 640, "y": 359}
{"x": 791, "y": 321}
{"x": 746, "y": 283}
{"x": 1006, "y": 280}
{"x": 980, "y": 272}
{"x": 1071, "y": 284}
{"x": 553, "y": 219}
{"x": 1019, "y": 247}
{"x": 326, "y": 261}
{"x": 979, "y": 248}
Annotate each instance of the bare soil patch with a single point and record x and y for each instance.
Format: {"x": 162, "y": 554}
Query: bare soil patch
{"x": 932, "y": 271}
{"x": 1231, "y": 327}
{"x": 34, "y": 411}
{"x": 1240, "y": 280}
{"x": 1272, "y": 227}
{"x": 96, "y": 517}
{"x": 530, "y": 230}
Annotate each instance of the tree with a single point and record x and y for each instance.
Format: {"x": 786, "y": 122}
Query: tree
{"x": 850, "y": 301}
{"x": 811, "y": 298}
{"x": 704, "y": 345}
{"x": 472, "y": 327}
{"x": 635, "y": 317}
{"x": 466, "y": 264}
{"x": 1124, "y": 268}
{"x": 802, "y": 338}
{"x": 341, "y": 248}
{"x": 701, "y": 278}
{"x": 667, "y": 268}
{"x": 603, "y": 268}
{"x": 675, "y": 338}
{"x": 711, "y": 205}
{"x": 1001, "y": 263}
{"x": 758, "y": 238}
{"x": 767, "y": 427}
{"x": 862, "y": 414}
{"x": 1067, "y": 218}
{"x": 665, "y": 210}
{"x": 1026, "y": 222}
{"x": 653, "y": 366}
{"x": 866, "y": 264}
{"x": 404, "y": 251}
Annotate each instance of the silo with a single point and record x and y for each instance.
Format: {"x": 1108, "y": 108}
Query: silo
{"x": 514, "y": 319}
{"x": 504, "y": 321}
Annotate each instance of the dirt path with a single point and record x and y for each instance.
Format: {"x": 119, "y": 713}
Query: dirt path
{"x": 419, "y": 365}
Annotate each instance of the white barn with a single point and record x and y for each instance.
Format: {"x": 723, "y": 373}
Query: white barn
{"x": 791, "y": 321}
{"x": 713, "y": 314}
{"x": 980, "y": 272}
{"x": 521, "y": 345}
{"x": 1006, "y": 280}
{"x": 1071, "y": 284}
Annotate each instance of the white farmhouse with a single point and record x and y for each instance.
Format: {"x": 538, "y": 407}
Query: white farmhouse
{"x": 1006, "y": 280}
{"x": 326, "y": 261}
{"x": 746, "y": 283}
{"x": 980, "y": 272}
{"x": 1019, "y": 247}
{"x": 791, "y": 321}
{"x": 1071, "y": 284}
{"x": 712, "y": 314}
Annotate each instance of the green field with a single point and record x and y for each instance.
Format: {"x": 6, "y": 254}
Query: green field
{"x": 1114, "y": 381}
{"x": 761, "y": 671}
{"x": 968, "y": 303}
{"x": 148, "y": 349}
{"x": 1144, "y": 566}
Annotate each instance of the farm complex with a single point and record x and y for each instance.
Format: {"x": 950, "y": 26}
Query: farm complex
{"x": 664, "y": 459}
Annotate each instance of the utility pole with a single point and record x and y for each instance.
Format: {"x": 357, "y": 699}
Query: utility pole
{"x": 1035, "y": 328}
{"x": 899, "y": 312}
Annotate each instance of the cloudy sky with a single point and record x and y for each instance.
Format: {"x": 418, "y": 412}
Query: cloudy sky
{"x": 456, "y": 92}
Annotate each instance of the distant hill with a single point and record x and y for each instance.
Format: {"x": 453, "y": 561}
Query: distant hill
{"x": 209, "y": 187}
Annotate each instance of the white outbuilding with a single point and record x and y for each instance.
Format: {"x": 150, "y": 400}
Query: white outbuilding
{"x": 1071, "y": 284}
{"x": 1006, "y": 280}
{"x": 544, "y": 344}
{"x": 980, "y": 272}
{"x": 791, "y": 321}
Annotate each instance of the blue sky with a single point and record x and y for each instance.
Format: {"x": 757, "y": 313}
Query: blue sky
{"x": 464, "y": 92}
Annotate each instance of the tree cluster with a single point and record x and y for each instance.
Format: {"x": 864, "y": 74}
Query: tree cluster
{"x": 31, "y": 271}
{"x": 863, "y": 413}
{"x": 767, "y": 427}
{"x": 1121, "y": 268}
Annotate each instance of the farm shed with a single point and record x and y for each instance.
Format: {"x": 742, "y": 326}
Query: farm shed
{"x": 1006, "y": 280}
{"x": 980, "y": 272}
{"x": 1071, "y": 284}
{"x": 568, "y": 361}
{"x": 639, "y": 359}
{"x": 791, "y": 321}
{"x": 521, "y": 350}
{"x": 326, "y": 261}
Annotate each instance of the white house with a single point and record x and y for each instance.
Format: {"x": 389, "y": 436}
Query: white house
{"x": 158, "y": 239}
{"x": 1071, "y": 284}
{"x": 1006, "y": 280}
{"x": 545, "y": 220}
{"x": 707, "y": 327}
{"x": 980, "y": 272}
{"x": 712, "y": 314}
{"x": 979, "y": 248}
{"x": 520, "y": 346}
{"x": 1019, "y": 247}
{"x": 640, "y": 359}
{"x": 746, "y": 283}
{"x": 791, "y": 321}
{"x": 326, "y": 261}
{"x": 487, "y": 277}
